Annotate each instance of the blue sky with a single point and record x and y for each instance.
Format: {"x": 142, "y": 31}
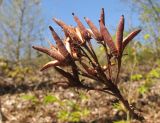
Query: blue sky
{"x": 62, "y": 9}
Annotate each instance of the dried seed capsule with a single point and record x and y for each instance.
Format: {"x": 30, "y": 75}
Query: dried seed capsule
{"x": 102, "y": 16}
{"x": 78, "y": 33}
{"x": 119, "y": 35}
{"x": 107, "y": 38}
{"x": 69, "y": 31}
{"x": 94, "y": 29}
{"x": 60, "y": 45}
{"x": 89, "y": 70}
{"x": 82, "y": 28}
{"x": 53, "y": 53}
{"x": 130, "y": 37}
{"x": 91, "y": 33}
{"x": 73, "y": 34}
{"x": 62, "y": 25}
{"x": 68, "y": 45}
{"x": 52, "y": 64}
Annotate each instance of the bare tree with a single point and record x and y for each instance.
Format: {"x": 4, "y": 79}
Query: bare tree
{"x": 1, "y": 2}
{"x": 20, "y": 24}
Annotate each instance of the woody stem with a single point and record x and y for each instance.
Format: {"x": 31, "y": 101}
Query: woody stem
{"x": 118, "y": 72}
{"x": 108, "y": 61}
{"x": 126, "y": 104}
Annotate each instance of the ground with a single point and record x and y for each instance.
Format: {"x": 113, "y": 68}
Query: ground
{"x": 43, "y": 102}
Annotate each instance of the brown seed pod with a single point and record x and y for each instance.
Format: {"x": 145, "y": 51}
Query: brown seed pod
{"x": 94, "y": 29}
{"x": 52, "y": 64}
{"x": 69, "y": 31}
{"x": 71, "y": 49}
{"x": 119, "y": 35}
{"x": 60, "y": 45}
{"x": 59, "y": 22}
{"x": 91, "y": 33}
{"x": 68, "y": 44}
{"x": 107, "y": 38}
{"x": 63, "y": 26}
{"x": 102, "y": 16}
{"x": 73, "y": 34}
{"x": 53, "y": 53}
{"x": 89, "y": 70}
{"x": 78, "y": 33}
{"x": 51, "y": 45}
{"x": 82, "y": 28}
{"x": 130, "y": 37}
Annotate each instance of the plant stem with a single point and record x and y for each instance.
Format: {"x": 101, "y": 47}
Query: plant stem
{"x": 126, "y": 105}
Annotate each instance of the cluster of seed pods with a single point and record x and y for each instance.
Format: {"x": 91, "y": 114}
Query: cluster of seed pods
{"x": 75, "y": 49}
{"x": 72, "y": 48}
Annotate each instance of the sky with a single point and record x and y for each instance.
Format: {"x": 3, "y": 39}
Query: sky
{"x": 63, "y": 9}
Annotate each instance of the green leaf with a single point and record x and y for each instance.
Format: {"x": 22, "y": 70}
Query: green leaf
{"x": 117, "y": 106}
{"x": 50, "y": 99}
{"x": 155, "y": 73}
{"x": 29, "y": 97}
{"x": 63, "y": 115}
{"x": 85, "y": 112}
{"x": 75, "y": 116}
{"x": 120, "y": 121}
{"x": 143, "y": 89}
{"x": 136, "y": 77}
{"x": 83, "y": 96}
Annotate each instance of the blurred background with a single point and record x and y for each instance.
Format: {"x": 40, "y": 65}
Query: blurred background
{"x": 24, "y": 23}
